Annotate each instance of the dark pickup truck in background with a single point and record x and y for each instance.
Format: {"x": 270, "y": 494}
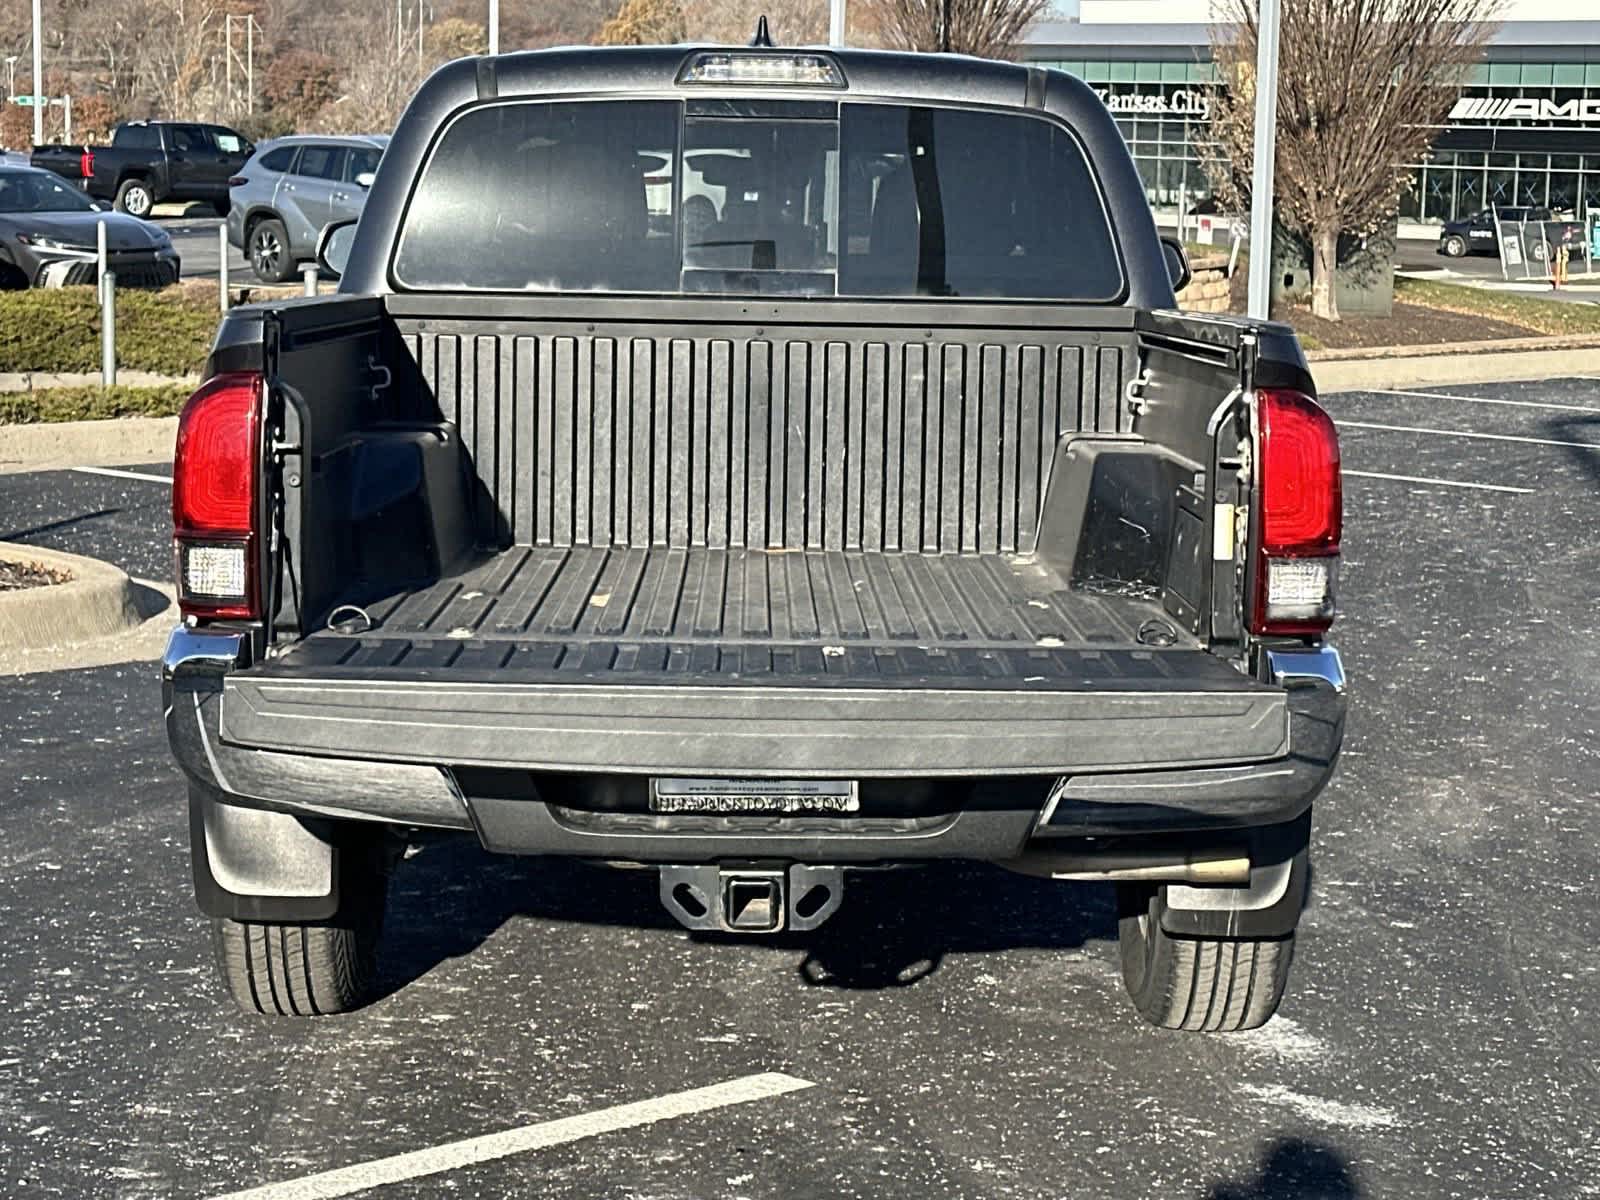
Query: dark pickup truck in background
{"x": 152, "y": 162}
{"x": 859, "y": 500}
{"x": 1540, "y": 229}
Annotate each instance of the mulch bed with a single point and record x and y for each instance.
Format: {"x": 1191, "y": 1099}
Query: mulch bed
{"x": 14, "y": 576}
{"x": 1411, "y": 325}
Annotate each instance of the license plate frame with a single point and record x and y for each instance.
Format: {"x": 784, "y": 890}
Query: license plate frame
{"x": 699, "y": 796}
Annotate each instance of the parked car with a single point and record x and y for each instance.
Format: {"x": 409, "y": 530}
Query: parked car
{"x": 151, "y": 162}
{"x": 894, "y": 516}
{"x": 1476, "y": 234}
{"x": 48, "y": 237}
{"x": 290, "y": 189}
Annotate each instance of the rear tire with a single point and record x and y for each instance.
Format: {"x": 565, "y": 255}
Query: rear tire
{"x": 135, "y": 198}
{"x": 1215, "y": 985}
{"x": 311, "y": 969}
{"x": 268, "y": 248}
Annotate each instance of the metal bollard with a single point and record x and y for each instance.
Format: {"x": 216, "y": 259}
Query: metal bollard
{"x": 222, "y": 264}
{"x": 108, "y": 329}
{"x": 100, "y": 251}
{"x": 310, "y": 277}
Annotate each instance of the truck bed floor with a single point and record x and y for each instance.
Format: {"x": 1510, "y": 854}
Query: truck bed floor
{"x": 722, "y": 611}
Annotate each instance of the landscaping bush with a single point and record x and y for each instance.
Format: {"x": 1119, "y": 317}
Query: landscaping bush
{"x": 58, "y": 329}
{"x": 90, "y": 403}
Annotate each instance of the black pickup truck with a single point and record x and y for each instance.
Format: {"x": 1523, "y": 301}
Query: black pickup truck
{"x": 151, "y": 162}
{"x": 761, "y": 466}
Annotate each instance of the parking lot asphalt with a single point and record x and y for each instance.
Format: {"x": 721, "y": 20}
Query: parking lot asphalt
{"x": 964, "y": 1031}
{"x": 198, "y": 251}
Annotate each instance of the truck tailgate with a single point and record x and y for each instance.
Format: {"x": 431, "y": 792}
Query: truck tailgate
{"x": 750, "y": 662}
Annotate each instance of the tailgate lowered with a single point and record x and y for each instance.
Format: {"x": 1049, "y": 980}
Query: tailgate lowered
{"x": 1201, "y": 714}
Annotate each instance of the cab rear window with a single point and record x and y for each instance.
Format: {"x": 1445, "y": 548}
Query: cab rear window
{"x": 759, "y": 198}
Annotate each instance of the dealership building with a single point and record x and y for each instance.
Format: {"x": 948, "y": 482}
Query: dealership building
{"x": 1526, "y": 131}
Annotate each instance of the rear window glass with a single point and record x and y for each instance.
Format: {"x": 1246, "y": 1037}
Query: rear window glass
{"x": 137, "y": 137}
{"x": 952, "y": 202}
{"x": 546, "y": 197}
{"x": 320, "y": 162}
{"x": 758, "y": 197}
{"x": 279, "y": 159}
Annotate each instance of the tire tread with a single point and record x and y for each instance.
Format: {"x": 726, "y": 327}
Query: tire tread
{"x": 1212, "y": 985}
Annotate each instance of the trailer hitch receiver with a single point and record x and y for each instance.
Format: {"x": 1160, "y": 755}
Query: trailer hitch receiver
{"x": 752, "y": 897}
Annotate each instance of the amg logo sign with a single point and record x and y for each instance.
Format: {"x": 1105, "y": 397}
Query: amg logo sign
{"x": 1479, "y": 108}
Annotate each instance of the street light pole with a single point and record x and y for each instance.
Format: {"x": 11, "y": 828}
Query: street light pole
{"x": 494, "y": 26}
{"x": 11, "y": 75}
{"x": 1260, "y": 297}
{"x": 836, "y": 23}
{"x": 38, "y": 77}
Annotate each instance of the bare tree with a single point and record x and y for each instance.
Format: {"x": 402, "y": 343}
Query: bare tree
{"x": 644, "y": 23}
{"x": 1361, "y": 86}
{"x": 990, "y": 28}
{"x": 793, "y": 22}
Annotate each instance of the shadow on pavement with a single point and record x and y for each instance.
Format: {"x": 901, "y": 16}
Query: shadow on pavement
{"x": 1572, "y": 429}
{"x": 1295, "y": 1169}
{"x": 20, "y": 535}
{"x": 894, "y": 929}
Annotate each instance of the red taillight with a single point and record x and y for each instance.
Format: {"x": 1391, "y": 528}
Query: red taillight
{"x": 1299, "y": 514}
{"x": 216, "y": 497}
{"x": 86, "y": 163}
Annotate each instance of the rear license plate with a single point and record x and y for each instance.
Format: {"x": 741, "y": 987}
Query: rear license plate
{"x": 766, "y": 796}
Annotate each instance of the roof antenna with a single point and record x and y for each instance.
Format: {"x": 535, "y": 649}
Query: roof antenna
{"x": 763, "y": 35}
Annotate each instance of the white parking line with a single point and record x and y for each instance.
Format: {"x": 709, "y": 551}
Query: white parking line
{"x": 1457, "y": 483}
{"x": 117, "y": 474}
{"x": 1484, "y": 400}
{"x": 453, "y": 1156}
{"x": 1462, "y": 433}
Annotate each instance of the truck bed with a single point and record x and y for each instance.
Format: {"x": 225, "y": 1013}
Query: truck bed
{"x": 733, "y": 611}
{"x": 736, "y": 661}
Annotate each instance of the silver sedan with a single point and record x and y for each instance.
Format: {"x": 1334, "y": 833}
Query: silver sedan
{"x": 48, "y": 237}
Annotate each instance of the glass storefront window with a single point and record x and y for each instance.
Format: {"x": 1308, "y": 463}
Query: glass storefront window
{"x": 1438, "y": 201}
{"x": 1411, "y": 198}
{"x": 1159, "y": 108}
{"x": 1590, "y": 182}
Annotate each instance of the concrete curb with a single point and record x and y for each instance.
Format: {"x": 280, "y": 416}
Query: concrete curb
{"x": 1439, "y": 370}
{"x": 38, "y": 381}
{"x": 87, "y": 443}
{"x": 96, "y": 602}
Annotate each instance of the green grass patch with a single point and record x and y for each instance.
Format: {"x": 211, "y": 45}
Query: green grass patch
{"x": 1551, "y": 317}
{"x": 58, "y": 329}
{"x": 90, "y": 403}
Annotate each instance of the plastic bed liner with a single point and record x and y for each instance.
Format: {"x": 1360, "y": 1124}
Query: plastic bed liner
{"x": 758, "y": 662}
